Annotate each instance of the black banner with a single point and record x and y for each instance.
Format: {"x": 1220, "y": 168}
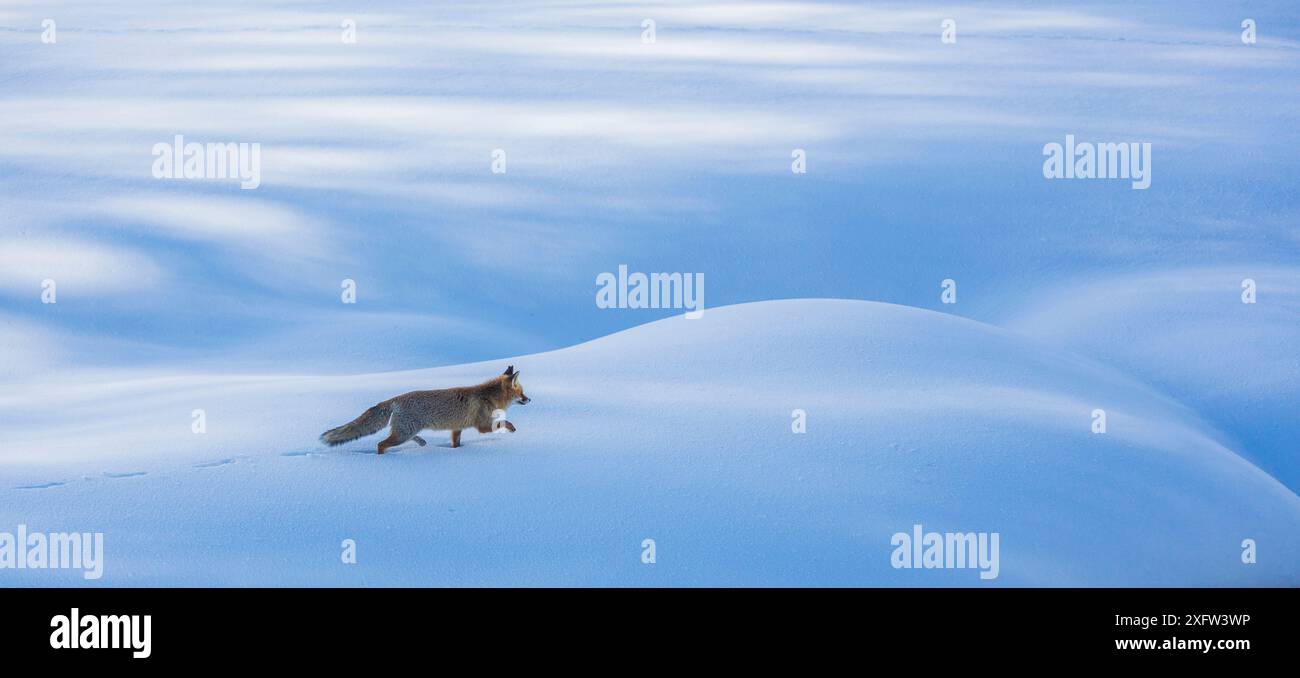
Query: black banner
{"x": 331, "y": 627}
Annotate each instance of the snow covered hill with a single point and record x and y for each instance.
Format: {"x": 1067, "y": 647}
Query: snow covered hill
{"x": 1187, "y": 332}
{"x": 677, "y": 431}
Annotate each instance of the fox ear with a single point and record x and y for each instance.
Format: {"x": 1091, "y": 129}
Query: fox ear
{"x": 510, "y": 370}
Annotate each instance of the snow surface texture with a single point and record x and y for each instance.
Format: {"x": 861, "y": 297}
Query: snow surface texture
{"x": 1187, "y": 333}
{"x": 677, "y": 431}
{"x": 924, "y": 163}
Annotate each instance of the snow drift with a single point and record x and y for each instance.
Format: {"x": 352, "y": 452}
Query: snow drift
{"x": 677, "y": 431}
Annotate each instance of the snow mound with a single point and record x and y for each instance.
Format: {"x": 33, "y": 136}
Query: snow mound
{"x": 1187, "y": 333}
{"x": 677, "y": 431}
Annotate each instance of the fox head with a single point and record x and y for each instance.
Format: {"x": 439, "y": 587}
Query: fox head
{"x": 513, "y": 387}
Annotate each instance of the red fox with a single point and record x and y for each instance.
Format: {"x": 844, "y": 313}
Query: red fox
{"x": 444, "y": 409}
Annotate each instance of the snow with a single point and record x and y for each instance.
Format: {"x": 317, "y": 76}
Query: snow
{"x": 677, "y": 431}
{"x": 1187, "y": 332}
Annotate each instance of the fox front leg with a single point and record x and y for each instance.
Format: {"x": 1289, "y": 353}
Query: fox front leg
{"x": 488, "y": 428}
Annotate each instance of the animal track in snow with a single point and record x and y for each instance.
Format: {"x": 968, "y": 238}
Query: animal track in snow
{"x": 215, "y": 464}
{"x": 42, "y": 486}
{"x": 126, "y": 474}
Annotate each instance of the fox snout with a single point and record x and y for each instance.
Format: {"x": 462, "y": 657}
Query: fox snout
{"x": 523, "y": 400}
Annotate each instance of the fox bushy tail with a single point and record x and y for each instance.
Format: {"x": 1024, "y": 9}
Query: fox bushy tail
{"x": 369, "y": 422}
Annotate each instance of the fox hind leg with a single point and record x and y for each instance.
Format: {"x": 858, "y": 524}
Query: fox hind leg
{"x": 455, "y": 438}
{"x": 401, "y": 432}
{"x": 419, "y": 441}
{"x": 393, "y": 440}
